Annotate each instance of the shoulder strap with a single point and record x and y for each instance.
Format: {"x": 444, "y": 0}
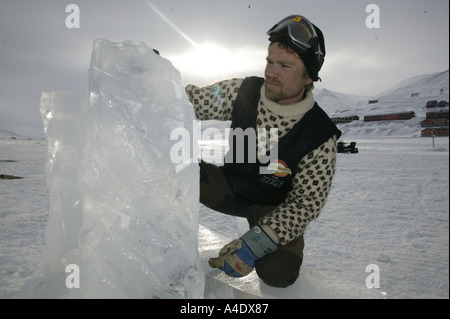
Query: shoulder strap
{"x": 246, "y": 105}
{"x": 243, "y": 116}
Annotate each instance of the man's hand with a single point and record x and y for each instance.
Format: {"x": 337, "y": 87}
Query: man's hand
{"x": 237, "y": 259}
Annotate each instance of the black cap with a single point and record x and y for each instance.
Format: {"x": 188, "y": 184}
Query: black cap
{"x": 313, "y": 58}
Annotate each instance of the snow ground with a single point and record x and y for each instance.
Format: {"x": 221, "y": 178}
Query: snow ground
{"x": 389, "y": 207}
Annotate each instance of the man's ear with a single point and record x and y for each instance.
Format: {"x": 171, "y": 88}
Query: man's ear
{"x": 308, "y": 80}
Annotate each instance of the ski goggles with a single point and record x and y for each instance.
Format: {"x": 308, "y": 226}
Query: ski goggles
{"x": 300, "y": 31}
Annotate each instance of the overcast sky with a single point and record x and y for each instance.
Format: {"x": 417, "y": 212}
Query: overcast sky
{"x": 210, "y": 40}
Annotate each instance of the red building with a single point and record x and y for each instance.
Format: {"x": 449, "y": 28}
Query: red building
{"x": 390, "y": 117}
{"x": 441, "y": 131}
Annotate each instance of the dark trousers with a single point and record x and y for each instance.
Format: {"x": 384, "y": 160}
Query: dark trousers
{"x": 278, "y": 269}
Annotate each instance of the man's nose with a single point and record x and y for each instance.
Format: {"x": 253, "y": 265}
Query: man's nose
{"x": 271, "y": 71}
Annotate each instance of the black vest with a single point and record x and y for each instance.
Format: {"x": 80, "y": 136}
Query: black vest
{"x": 250, "y": 178}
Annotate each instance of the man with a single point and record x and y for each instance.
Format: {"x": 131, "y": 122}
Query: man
{"x": 279, "y": 197}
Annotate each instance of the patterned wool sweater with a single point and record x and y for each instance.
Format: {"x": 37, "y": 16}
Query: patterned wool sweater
{"x": 314, "y": 173}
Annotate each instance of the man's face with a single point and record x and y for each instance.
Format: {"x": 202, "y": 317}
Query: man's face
{"x": 285, "y": 75}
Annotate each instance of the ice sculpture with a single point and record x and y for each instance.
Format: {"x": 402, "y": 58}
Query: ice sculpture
{"x": 124, "y": 216}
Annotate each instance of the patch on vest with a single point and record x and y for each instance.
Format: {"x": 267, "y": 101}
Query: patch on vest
{"x": 279, "y": 168}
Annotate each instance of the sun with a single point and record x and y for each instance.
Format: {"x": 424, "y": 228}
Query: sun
{"x": 212, "y": 61}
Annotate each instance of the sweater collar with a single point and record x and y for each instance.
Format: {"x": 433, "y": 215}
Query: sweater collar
{"x": 290, "y": 110}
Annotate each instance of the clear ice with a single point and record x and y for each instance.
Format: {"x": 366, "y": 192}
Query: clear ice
{"x": 122, "y": 212}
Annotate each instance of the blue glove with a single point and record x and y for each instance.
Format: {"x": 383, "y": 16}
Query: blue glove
{"x": 237, "y": 259}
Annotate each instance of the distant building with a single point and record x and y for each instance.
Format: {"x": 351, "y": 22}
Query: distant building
{"x": 435, "y": 103}
{"x": 437, "y": 115}
{"x": 390, "y": 117}
{"x": 441, "y": 131}
{"x": 442, "y": 104}
{"x": 345, "y": 119}
{"x": 427, "y": 123}
{"x": 431, "y": 104}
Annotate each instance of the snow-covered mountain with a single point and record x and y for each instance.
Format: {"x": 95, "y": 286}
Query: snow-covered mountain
{"x": 336, "y": 103}
{"x": 7, "y": 134}
{"x": 426, "y": 86}
{"x": 408, "y": 95}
